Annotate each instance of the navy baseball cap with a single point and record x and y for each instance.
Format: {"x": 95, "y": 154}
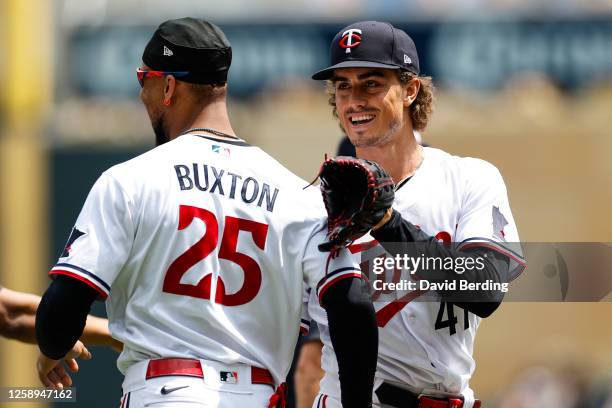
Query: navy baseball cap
{"x": 193, "y": 45}
{"x": 371, "y": 44}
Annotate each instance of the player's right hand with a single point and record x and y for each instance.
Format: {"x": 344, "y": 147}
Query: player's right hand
{"x": 52, "y": 373}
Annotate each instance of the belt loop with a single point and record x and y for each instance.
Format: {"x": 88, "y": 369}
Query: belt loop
{"x": 455, "y": 403}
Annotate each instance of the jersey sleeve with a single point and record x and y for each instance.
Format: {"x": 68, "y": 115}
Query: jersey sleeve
{"x": 485, "y": 219}
{"x": 102, "y": 237}
{"x": 321, "y": 270}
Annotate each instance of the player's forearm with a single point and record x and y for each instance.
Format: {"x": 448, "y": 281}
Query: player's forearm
{"x": 20, "y": 328}
{"x": 18, "y": 317}
{"x": 96, "y": 333}
{"x": 354, "y": 335}
{"x": 491, "y": 266}
{"x": 61, "y": 315}
{"x": 17, "y": 313}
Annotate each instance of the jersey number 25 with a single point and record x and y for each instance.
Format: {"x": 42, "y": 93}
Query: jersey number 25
{"x": 227, "y": 250}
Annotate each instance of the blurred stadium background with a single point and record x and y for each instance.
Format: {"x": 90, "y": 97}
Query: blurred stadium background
{"x": 526, "y": 85}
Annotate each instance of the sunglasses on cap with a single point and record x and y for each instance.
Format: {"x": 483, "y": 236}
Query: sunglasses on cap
{"x": 141, "y": 74}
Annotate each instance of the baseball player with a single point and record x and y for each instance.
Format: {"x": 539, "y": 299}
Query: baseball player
{"x": 309, "y": 356}
{"x": 446, "y": 207}
{"x": 201, "y": 248}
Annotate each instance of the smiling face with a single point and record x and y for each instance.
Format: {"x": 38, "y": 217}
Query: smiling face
{"x": 371, "y": 105}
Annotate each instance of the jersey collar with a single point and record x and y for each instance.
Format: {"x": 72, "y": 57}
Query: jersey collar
{"x": 238, "y": 142}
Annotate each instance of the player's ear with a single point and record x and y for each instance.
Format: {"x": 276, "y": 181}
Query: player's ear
{"x": 169, "y": 89}
{"x": 411, "y": 90}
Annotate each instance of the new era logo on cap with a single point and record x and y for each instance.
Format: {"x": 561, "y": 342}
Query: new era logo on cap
{"x": 168, "y": 52}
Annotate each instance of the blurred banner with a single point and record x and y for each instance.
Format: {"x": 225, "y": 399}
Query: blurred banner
{"x": 101, "y": 60}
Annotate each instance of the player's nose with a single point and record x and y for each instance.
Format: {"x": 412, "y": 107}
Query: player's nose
{"x": 356, "y": 101}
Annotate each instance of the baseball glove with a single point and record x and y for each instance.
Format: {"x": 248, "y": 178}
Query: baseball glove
{"x": 357, "y": 193}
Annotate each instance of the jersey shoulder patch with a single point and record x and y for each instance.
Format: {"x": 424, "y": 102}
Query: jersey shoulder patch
{"x": 74, "y": 235}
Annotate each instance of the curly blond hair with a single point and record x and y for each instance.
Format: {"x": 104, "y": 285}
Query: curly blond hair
{"x": 420, "y": 110}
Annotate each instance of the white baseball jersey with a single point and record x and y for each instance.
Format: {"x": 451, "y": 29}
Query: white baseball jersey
{"x": 427, "y": 345}
{"x": 203, "y": 247}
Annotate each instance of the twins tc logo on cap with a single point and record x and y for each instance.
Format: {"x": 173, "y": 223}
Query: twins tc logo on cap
{"x": 371, "y": 44}
{"x": 351, "y": 38}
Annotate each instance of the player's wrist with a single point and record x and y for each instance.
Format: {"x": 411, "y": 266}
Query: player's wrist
{"x": 46, "y": 360}
{"x": 385, "y": 219}
{"x": 45, "y": 364}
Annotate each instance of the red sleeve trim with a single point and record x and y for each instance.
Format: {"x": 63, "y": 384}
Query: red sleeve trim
{"x": 500, "y": 249}
{"x": 497, "y": 248}
{"x": 103, "y": 295}
{"x": 330, "y": 283}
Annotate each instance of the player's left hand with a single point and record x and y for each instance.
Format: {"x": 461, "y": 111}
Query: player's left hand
{"x": 52, "y": 372}
{"x": 358, "y": 195}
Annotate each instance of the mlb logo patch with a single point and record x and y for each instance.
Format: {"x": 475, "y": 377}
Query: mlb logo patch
{"x": 228, "y": 377}
{"x": 224, "y": 151}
